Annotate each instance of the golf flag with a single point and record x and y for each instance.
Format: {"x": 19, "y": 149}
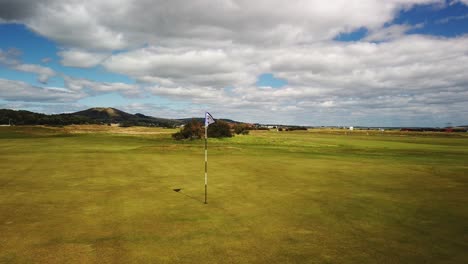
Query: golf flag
{"x": 208, "y": 119}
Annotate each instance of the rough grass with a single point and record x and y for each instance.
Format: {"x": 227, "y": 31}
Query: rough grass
{"x": 105, "y": 196}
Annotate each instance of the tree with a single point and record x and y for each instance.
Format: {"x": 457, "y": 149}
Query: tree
{"x": 219, "y": 129}
{"x": 192, "y": 130}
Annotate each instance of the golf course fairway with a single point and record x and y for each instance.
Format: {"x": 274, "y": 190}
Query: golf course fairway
{"x": 98, "y": 194}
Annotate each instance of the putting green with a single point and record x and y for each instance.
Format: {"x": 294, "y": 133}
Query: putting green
{"x": 91, "y": 194}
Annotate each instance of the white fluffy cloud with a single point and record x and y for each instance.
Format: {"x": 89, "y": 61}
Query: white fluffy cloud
{"x": 360, "y": 69}
{"x": 390, "y": 33}
{"x": 44, "y": 73}
{"x": 76, "y": 23}
{"x": 113, "y": 25}
{"x": 413, "y": 77}
{"x": 187, "y": 67}
{"x": 195, "y": 93}
{"x": 78, "y": 84}
{"x": 460, "y": 1}
{"x": 209, "y": 54}
{"x": 81, "y": 58}
{"x": 21, "y": 91}
{"x": 9, "y": 59}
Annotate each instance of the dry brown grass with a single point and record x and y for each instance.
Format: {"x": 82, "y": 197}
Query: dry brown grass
{"x": 86, "y": 129}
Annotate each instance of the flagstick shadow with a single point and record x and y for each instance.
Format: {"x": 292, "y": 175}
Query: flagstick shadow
{"x": 189, "y": 196}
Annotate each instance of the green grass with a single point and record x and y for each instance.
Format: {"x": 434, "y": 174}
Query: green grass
{"x": 274, "y": 197}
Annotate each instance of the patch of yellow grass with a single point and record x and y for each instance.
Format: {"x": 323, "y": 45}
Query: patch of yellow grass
{"x": 83, "y": 129}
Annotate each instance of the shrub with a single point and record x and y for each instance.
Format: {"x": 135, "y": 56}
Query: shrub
{"x": 241, "y": 129}
{"x": 219, "y": 129}
{"x": 293, "y": 128}
{"x": 192, "y": 130}
{"x": 178, "y": 136}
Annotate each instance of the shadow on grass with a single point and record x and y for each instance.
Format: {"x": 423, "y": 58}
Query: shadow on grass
{"x": 189, "y": 196}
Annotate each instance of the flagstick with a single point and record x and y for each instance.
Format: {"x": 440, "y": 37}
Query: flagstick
{"x": 206, "y": 161}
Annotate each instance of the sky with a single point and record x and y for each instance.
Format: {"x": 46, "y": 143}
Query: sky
{"x": 302, "y": 62}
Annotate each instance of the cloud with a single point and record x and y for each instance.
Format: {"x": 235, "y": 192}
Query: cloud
{"x": 10, "y": 57}
{"x": 405, "y": 65}
{"x": 14, "y": 10}
{"x": 156, "y": 110}
{"x": 76, "y": 88}
{"x": 88, "y": 25}
{"x": 412, "y": 76}
{"x": 44, "y": 73}
{"x": 21, "y": 91}
{"x": 181, "y": 93}
{"x": 209, "y": 55}
{"x": 459, "y": 1}
{"x": 451, "y": 18}
{"x": 170, "y": 62}
{"x": 10, "y": 60}
{"x": 390, "y": 33}
{"x": 80, "y": 58}
{"x": 187, "y": 67}
{"x": 76, "y": 24}
{"x": 92, "y": 87}
{"x": 46, "y": 60}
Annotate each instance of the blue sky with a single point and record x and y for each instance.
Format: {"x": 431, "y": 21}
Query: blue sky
{"x": 336, "y": 69}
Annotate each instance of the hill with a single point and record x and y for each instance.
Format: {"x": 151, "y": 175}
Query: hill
{"x": 96, "y": 115}
{"x": 113, "y": 115}
{"x": 101, "y": 113}
{"x": 22, "y": 117}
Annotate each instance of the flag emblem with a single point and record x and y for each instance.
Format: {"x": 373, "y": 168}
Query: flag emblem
{"x": 208, "y": 119}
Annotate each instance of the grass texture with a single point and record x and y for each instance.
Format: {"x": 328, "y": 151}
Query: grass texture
{"x": 96, "y": 194}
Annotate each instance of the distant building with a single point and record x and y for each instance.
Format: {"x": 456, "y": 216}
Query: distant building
{"x": 351, "y": 128}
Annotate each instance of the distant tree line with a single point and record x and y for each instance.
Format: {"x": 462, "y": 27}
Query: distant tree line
{"x": 22, "y": 117}
{"x": 431, "y": 129}
{"x": 146, "y": 122}
{"x": 29, "y": 118}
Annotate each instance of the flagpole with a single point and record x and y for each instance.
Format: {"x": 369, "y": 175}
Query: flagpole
{"x": 206, "y": 161}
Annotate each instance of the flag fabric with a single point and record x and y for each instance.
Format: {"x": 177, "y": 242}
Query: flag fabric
{"x": 208, "y": 119}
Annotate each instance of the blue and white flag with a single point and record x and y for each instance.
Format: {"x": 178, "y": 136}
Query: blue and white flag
{"x": 208, "y": 119}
